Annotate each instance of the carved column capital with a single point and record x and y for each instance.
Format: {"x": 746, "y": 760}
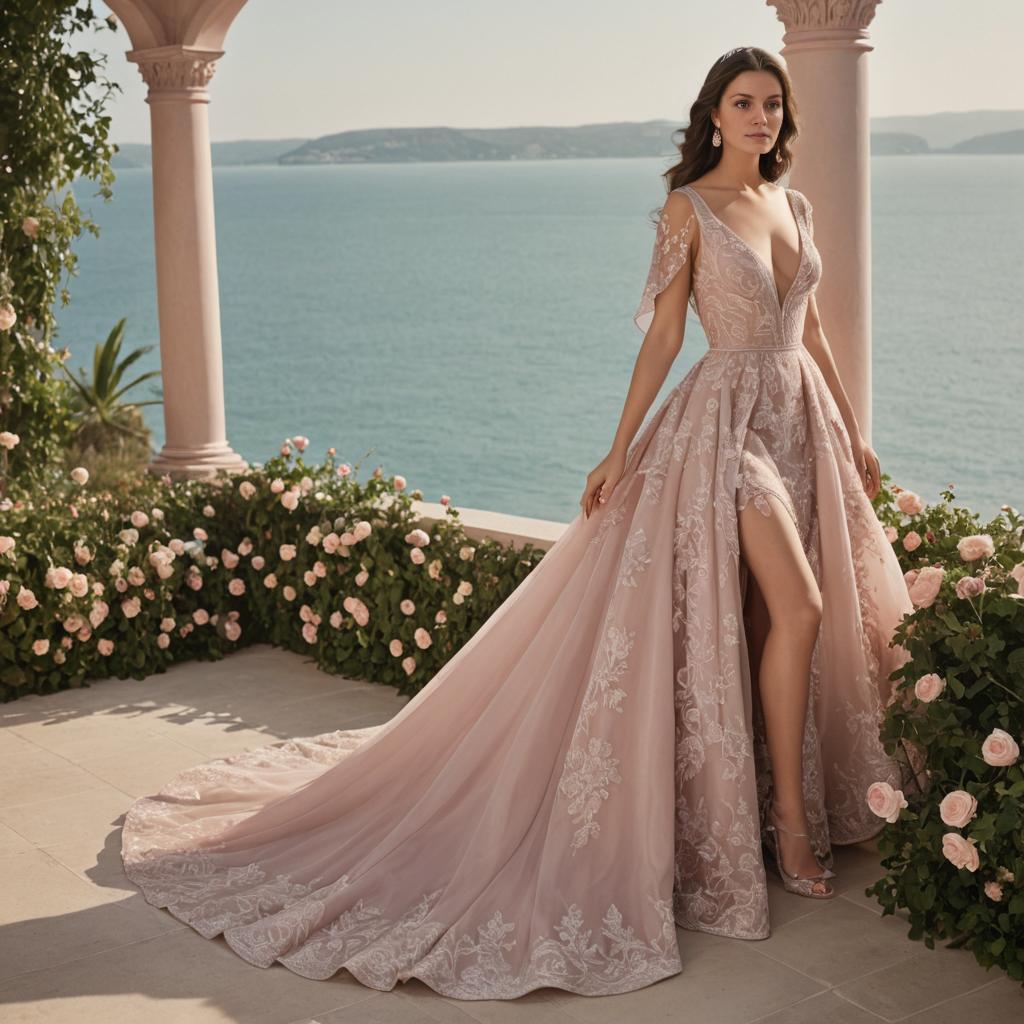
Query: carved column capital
{"x": 817, "y": 24}
{"x": 176, "y": 72}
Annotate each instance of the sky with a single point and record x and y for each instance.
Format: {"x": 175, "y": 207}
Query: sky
{"x": 305, "y": 68}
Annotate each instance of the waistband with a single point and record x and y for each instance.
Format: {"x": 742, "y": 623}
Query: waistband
{"x": 758, "y": 348}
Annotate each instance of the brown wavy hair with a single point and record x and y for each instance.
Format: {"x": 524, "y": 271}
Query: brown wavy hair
{"x": 696, "y": 153}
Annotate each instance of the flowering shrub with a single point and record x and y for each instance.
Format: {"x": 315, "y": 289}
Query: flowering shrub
{"x": 303, "y": 557}
{"x": 953, "y": 847}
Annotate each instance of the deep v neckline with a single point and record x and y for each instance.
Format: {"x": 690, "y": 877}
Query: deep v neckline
{"x": 780, "y": 304}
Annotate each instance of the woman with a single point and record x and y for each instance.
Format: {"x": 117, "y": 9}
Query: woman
{"x": 600, "y": 762}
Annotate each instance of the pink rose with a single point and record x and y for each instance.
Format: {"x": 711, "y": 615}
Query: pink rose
{"x": 270, "y": 580}
{"x": 200, "y": 616}
{"x": 970, "y": 586}
{"x": 40, "y": 647}
{"x": 139, "y": 519}
{"x": 422, "y": 638}
{"x": 344, "y": 469}
{"x": 300, "y": 442}
{"x": 200, "y": 534}
{"x": 1000, "y": 749}
{"x": 232, "y": 630}
{"x": 912, "y": 541}
{"x": 445, "y": 499}
{"x": 319, "y": 569}
{"x": 79, "y": 584}
{"x": 407, "y": 607}
{"x": 441, "y": 616}
{"x": 926, "y": 586}
{"x": 399, "y": 482}
{"x": 418, "y": 537}
{"x": 960, "y": 852}
{"x": 309, "y": 578}
{"x": 909, "y": 503}
{"x": 994, "y": 891}
{"x": 361, "y": 530}
{"x": 236, "y": 587}
{"x": 928, "y": 687}
{"x": 7, "y": 321}
{"x": 58, "y": 577}
{"x": 30, "y": 225}
{"x": 357, "y": 610}
{"x": 309, "y": 633}
{"x": 335, "y": 619}
{"x": 276, "y": 485}
{"x": 163, "y": 641}
{"x": 361, "y": 577}
{"x": 977, "y": 545}
{"x": 246, "y": 489}
{"x": 416, "y": 556}
{"x": 958, "y": 808}
{"x": 885, "y": 801}
{"x": 409, "y": 665}
{"x": 229, "y": 558}
{"x": 286, "y": 552}
{"x": 288, "y": 592}
{"x": 258, "y": 561}
{"x": 105, "y": 647}
{"x": 396, "y": 648}
{"x": 80, "y": 475}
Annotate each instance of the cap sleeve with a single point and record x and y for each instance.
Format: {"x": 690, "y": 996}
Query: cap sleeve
{"x": 671, "y": 254}
{"x": 805, "y": 203}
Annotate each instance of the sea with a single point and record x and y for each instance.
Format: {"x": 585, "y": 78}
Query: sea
{"x": 469, "y": 325}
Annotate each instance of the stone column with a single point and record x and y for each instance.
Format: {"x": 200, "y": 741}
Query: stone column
{"x": 186, "y": 261}
{"x": 826, "y": 50}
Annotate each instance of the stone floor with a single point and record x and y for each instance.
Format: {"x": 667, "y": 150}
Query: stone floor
{"x": 79, "y": 943}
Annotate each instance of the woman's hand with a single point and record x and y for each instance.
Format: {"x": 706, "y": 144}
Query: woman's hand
{"x": 866, "y": 461}
{"x": 602, "y": 480}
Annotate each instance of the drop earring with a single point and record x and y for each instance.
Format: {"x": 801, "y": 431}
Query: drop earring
{"x": 778, "y": 156}
{"x": 716, "y": 138}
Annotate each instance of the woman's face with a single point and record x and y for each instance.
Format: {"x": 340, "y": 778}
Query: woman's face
{"x": 750, "y": 113}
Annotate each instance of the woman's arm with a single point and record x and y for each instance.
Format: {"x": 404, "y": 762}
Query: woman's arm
{"x": 662, "y": 317}
{"x": 663, "y": 311}
{"x": 817, "y": 345}
{"x": 864, "y": 456}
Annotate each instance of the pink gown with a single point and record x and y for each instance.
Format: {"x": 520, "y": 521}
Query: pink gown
{"x": 589, "y": 771}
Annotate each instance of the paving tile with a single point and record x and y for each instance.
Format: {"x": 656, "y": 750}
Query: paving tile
{"x": 174, "y": 978}
{"x": 907, "y": 987}
{"x": 823, "y": 1006}
{"x": 840, "y": 941}
{"x": 32, "y": 774}
{"x": 48, "y": 916}
{"x": 1001, "y": 1002}
{"x": 85, "y": 816}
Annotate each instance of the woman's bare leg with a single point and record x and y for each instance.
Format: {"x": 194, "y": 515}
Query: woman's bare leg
{"x": 787, "y": 590}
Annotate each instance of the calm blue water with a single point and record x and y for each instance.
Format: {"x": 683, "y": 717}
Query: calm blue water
{"x": 471, "y": 322}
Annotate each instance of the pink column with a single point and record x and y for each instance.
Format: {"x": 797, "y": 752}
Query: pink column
{"x": 186, "y": 261}
{"x": 826, "y": 50}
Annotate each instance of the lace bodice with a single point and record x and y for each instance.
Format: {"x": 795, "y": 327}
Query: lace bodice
{"x": 733, "y": 290}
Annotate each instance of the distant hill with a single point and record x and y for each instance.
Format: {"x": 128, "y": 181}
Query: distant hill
{"x": 998, "y": 142}
{"x": 976, "y": 132}
{"x": 897, "y": 144}
{"x": 411, "y": 145}
{"x": 225, "y": 154}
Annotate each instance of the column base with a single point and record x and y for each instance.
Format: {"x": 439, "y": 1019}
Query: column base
{"x": 199, "y": 462}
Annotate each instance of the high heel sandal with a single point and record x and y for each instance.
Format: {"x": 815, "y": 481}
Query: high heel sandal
{"x": 801, "y": 885}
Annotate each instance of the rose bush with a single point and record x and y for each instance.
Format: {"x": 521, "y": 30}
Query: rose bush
{"x": 303, "y": 557}
{"x": 953, "y": 844}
